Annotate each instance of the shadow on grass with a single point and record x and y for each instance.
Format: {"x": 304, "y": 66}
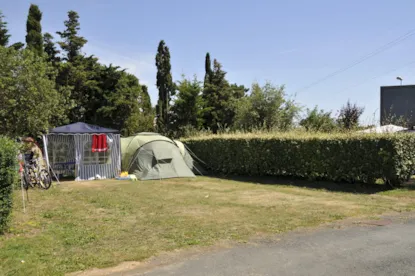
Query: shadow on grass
{"x": 356, "y": 188}
{"x": 410, "y": 185}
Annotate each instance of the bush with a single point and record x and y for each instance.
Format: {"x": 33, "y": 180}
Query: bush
{"x": 8, "y": 174}
{"x": 340, "y": 157}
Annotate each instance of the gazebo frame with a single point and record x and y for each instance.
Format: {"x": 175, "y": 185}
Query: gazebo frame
{"x": 68, "y": 151}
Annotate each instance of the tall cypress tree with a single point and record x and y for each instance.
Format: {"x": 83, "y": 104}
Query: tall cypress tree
{"x": 34, "y": 38}
{"x": 165, "y": 86}
{"x": 208, "y": 70}
{"x": 72, "y": 43}
{"x": 50, "y": 48}
{"x": 4, "y": 36}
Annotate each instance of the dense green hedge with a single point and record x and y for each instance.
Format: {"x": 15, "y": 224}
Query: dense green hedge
{"x": 351, "y": 158}
{"x": 8, "y": 174}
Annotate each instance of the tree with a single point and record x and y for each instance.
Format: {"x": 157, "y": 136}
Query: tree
{"x": 34, "y": 40}
{"x": 318, "y": 120}
{"x": 121, "y": 109}
{"x": 188, "y": 108}
{"x": 28, "y": 98}
{"x": 165, "y": 86}
{"x": 72, "y": 43}
{"x": 349, "y": 116}
{"x": 80, "y": 79}
{"x": 50, "y": 49}
{"x": 266, "y": 107}
{"x": 4, "y": 36}
{"x": 219, "y": 99}
{"x": 238, "y": 91}
{"x": 119, "y": 103}
{"x": 208, "y": 70}
{"x": 17, "y": 46}
{"x": 145, "y": 100}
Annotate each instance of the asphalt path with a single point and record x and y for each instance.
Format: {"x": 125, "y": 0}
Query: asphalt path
{"x": 385, "y": 247}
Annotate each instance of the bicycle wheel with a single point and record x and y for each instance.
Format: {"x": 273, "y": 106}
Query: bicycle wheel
{"x": 45, "y": 179}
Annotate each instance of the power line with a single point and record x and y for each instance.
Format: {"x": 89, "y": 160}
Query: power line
{"x": 362, "y": 59}
{"x": 386, "y": 73}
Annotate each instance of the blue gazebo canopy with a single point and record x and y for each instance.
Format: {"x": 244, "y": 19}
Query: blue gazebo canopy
{"x": 81, "y": 128}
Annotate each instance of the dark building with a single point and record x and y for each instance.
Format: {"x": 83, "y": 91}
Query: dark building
{"x": 397, "y": 105}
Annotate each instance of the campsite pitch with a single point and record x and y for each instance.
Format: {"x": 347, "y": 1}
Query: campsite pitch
{"x": 82, "y": 225}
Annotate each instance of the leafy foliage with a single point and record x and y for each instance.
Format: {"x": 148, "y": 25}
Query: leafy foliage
{"x": 147, "y": 112}
{"x": 165, "y": 86}
{"x": 72, "y": 43}
{"x": 79, "y": 80}
{"x": 349, "y": 116}
{"x": 187, "y": 109}
{"x": 17, "y": 46}
{"x": 330, "y": 157}
{"x": 266, "y": 107}
{"x": 40, "y": 90}
{"x": 120, "y": 106}
{"x": 318, "y": 120}
{"x": 219, "y": 99}
{"x": 28, "y": 98}
{"x": 145, "y": 100}
{"x": 50, "y": 49}
{"x": 76, "y": 79}
{"x": 34, "y": 40}
{"x": 91, "y": 92}
{"x": 4, "y": 32}
{"x": 8, "y": 173}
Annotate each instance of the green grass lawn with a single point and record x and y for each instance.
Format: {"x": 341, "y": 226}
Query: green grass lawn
{"x": 77, "y": 226}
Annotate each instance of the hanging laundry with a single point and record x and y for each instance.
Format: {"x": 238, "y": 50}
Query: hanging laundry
{"x": 99, "y": 143}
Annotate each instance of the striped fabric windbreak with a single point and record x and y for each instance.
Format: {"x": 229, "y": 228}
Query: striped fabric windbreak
{"x": 71, "y": 154}
{"x": 61, "y": 154}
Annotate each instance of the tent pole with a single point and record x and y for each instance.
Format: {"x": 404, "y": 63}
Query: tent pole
{"x": 45, "y": 143}
{"x": 21, "y": 184}
{"x": 54, "y": 174}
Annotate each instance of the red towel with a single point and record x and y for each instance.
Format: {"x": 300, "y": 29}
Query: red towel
{"x": 99, "y": 143}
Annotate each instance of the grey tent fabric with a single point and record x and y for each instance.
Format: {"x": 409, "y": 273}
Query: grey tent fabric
{"x": 77, "y": 128}
{"x": 156, "y": 158}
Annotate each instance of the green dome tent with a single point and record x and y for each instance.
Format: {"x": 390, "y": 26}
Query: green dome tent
{"x": 153, "y": 156}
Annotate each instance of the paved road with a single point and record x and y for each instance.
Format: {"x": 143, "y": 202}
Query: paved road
{"x": 363, "y": 250}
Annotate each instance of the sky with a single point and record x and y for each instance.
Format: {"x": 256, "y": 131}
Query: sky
{"x": 293, "y": 43}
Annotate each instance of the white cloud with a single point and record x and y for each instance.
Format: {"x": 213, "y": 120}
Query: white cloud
{"x": 141, "y": 65}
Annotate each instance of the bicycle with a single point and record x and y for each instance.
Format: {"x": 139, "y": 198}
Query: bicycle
{"x": 34, "y": 175}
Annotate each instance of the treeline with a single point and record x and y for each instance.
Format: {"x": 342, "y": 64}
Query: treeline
{"x": 216, "y": 105}
{"x": 46, "y": 82}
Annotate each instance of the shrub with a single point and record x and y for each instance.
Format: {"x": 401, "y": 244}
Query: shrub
{"x": 340, "y": 157}
{"x": 8, "y": 174}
